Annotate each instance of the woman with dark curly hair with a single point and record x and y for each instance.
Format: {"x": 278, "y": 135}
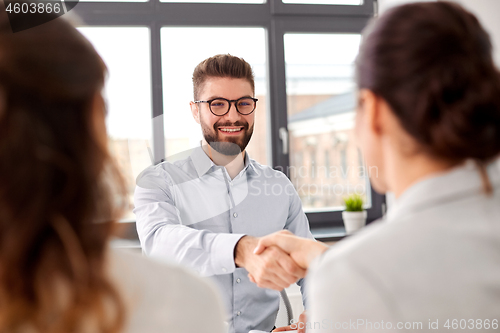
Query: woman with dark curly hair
{"x": 428, "y": 122}
{"x": 60, "y": 197}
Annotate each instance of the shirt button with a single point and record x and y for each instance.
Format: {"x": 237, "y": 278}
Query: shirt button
{"x": 238, "y": 313}
{"x": 238, "y": 280}
{"x": 235, "y": 215}
{"x": 224, "y": 269}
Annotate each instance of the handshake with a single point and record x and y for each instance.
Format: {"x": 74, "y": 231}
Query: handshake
{"x": 278, "y": 260}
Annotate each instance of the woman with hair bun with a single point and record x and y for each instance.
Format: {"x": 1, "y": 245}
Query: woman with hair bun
{"x": 429, "y": 122}
{"x": 60, "y": 197}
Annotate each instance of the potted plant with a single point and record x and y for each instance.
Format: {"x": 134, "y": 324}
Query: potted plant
{"x": 354, "y": 215}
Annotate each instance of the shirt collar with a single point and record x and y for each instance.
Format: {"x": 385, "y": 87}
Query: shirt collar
{"x": 442, "y": 187}
{"x": 249, "y": 164}
{"x": 202, "y": 163}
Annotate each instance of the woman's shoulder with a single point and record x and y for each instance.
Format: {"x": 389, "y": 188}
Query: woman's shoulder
{"x": 147, "y": 273}
{"x": 132, "y": 261}
{"x": 379, "y": 246}
{"x": 163, "y": 295}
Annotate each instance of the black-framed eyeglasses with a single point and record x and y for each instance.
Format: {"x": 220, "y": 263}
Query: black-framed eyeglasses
{"x": 220, "y": 106}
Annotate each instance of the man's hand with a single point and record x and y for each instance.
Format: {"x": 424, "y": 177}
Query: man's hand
{"x": 272, "y": 268}
{"x": 301, "y": 250}
{"x": 300, "y": 326}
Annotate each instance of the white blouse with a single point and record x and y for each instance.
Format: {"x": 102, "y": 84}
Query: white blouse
{"x": 432, "y": 265}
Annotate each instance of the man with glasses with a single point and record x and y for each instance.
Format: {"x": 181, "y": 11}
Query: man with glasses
{"x": 208, "y": 209}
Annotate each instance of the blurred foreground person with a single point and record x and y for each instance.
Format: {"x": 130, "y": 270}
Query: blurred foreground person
{"x": 60, "y": 196}
{"x": 429, "y": 122}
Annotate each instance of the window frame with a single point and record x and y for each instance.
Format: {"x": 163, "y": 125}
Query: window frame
{"x": 276, "y": 17}
{"x": 367, "y": 8}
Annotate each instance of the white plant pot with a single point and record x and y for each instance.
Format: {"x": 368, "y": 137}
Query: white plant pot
{"x": 354, "y": 221}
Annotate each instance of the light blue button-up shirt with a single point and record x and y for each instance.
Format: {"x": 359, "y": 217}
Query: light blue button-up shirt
{"x": 190, "y": 211}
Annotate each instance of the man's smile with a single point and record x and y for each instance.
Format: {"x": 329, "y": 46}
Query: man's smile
{"x": 231, "y": 130}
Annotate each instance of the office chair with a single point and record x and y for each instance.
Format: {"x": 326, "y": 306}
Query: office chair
{"x": 287, "y": 307}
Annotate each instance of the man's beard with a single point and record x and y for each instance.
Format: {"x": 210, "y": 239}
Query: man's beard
{"x": 232, "y": 145}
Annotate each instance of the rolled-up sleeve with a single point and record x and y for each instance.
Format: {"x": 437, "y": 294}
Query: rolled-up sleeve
{"x": 163, "y": 235}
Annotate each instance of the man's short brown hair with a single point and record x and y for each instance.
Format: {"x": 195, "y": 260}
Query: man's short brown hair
{"x": 221, "y": 65}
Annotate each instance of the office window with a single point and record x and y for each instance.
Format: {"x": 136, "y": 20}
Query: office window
{"x": 326, "y": 2}
{"x": 217, "y": 1}
{"x": 182, "y": 50}
{"x": 321, "y": 100}
{"x": 128, "y": 96}
{"x": 113, "y": 0}
{"x": 299, "y": 159}
{"x": 343, "y": 162}
{"x": 302, "y": 56}
{"x": 327, "y": 164}
{"x": 313, "y": 166}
